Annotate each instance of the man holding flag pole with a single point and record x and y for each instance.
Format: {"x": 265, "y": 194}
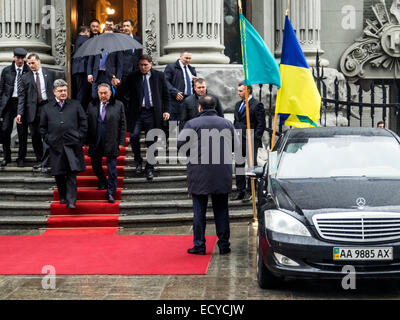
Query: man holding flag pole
{"x": 260, "y": 67}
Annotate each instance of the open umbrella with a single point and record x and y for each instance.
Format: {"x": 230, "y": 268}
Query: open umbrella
{"x": 107, "y": 42}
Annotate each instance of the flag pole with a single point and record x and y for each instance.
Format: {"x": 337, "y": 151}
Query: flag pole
{"x": 250, "y": 147}
{"x": 276, "y": 114}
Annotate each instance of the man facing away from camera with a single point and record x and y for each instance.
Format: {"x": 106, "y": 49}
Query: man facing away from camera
{"x": 209, "y": 171}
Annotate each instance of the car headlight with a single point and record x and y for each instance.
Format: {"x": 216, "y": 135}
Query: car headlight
{"x": 281, "y": 222}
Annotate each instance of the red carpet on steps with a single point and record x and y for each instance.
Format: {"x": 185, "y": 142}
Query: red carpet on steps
{"x": 82, "y": 241}
{"x": 93, "y": 213}
{"x": 103, "y": 255}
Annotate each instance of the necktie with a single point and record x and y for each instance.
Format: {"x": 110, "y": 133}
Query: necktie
{"x": 61, "y": 104}
{"x": 146, "y": 93}
{"x": 242, "y": 107}
{"x": 188, "y": 82}
{"x": 19, "y": 82}
{"x": 39, "y": 89}
{"x": 103, "y": 111}
{"x": 103, "y": 61}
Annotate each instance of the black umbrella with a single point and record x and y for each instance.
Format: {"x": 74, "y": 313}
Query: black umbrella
{"x": 107, "y": 42}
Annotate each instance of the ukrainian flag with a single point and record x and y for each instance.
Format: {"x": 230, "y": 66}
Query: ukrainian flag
{"x": 298, "y": 102}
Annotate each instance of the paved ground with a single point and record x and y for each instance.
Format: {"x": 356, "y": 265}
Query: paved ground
{"x": 229, "y": 277}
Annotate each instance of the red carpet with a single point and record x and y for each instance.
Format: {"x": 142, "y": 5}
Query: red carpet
{"x": 93, "y": 213}
{"x": 103, "y": 255}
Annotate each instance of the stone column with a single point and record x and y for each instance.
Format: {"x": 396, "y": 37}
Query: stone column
{"x": 151, "y": 28}
{"x": 305, "y": 16}
{"x": 196, "y": 25}
{"x": 21, "y": 25}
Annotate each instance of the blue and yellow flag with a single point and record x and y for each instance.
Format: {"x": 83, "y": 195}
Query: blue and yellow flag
{"x": 298, "y": 102}
{"x": 260, "y": 66}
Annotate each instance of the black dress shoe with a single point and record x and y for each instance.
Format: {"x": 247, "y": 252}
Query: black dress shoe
{"x": 139, "y": 168}
{"x": 37, "y": 165}
{"x": 20, "y": 163}
{"x": 71, "y": 206}
{"x": 63, "y": 201}
{"x": 45, "y": 170}
{"x": 225, "y": 251}
{"x": 238, "y": 196}
{"x": 110, "y": 198}
{"x": 197, "y": 250}
{"x": 4, "y": 163}
{"x": 247, "y": 197}
{"x": 149, "y": 174}
{"x": 102, "y": 187}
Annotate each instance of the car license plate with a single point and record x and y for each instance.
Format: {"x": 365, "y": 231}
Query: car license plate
{"x": 363, "y": 254}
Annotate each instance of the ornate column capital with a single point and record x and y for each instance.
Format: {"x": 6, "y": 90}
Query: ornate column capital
{"x": 196, "y": 25}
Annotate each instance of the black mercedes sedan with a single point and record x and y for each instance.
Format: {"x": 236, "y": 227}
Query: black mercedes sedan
{"x": 329, "y": 198}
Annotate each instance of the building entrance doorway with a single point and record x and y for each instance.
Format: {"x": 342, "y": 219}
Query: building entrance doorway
{"x": 83, "y": 11}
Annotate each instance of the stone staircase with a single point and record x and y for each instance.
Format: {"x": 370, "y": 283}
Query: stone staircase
{"x": 26, "y": 195}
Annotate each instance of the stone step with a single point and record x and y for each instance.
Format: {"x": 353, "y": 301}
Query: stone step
{"x": 127, "y": 208}
{"x": 130, "y": 195}
{"x": 129, "y": 172}
{"x": 40, "y": 222}
{"x": 129, "y": 161}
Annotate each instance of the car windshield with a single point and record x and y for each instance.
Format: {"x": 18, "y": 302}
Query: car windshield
{"x": 340, "y": 156}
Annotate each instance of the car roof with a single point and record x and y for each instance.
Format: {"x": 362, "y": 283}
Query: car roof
{"x": 325, "y": 132}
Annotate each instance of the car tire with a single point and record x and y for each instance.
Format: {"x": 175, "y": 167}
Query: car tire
{"x": 265, "y": 279}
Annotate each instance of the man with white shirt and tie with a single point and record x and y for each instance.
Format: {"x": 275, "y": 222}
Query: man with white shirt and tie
{"x": 180, "y": 76}
{"x": 10, "y": 80}
{"x": 148, "y": 108}
{"x": 106, "y": 134}
{"x": 36, "y": 90}
{"x": 258, "y": 124}
{"x": 63, "y": 126}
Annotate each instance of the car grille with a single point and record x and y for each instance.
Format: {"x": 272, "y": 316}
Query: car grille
{"x": 358, "y": 226}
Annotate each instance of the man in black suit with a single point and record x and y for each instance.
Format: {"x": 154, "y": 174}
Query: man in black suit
{"x": 105, "y": 68}
{"x": 190, "y": 104}
{"x": 130, "y": 60}
{"x": 258, "y": 124}
{"x": 180, "y": 76}
{"x": 36, "y": 91}
{"x": 94, "y": 26}
{"x": 79, "y": 67}
{"x": 63, "y": 125}
{"x": 148, "y": 107}
{"x": 10, "y": 80}
{"x": 107, "y": 131}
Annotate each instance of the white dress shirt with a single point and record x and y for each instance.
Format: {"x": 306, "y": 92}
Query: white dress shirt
{"x": 184, "y": 74}
{"x": 15, "y": 93}
{"x": 42, "y": 83}
{"x": 148, "y": 75}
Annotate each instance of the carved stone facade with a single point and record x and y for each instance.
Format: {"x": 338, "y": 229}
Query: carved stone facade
{"x": 377, "y": 54}
{"x": 27, "y": 24}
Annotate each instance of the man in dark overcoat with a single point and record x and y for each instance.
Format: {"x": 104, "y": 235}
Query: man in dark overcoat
{"x": 36, "y": 91}
{"x": 63, "y": 125}
{"x": 79, "y": 68}
{"x": 209, "y": 171}
{"x": 180, "y": 76}
{"x": 11, "y": 77}
{"x": 148, "y": 107}
{"x": 258, "y": 124}
{"x": 107, "y": 132}
{"x": 190, "y": 105}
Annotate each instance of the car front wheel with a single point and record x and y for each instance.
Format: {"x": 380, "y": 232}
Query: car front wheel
{"x": 266, "y": 280}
